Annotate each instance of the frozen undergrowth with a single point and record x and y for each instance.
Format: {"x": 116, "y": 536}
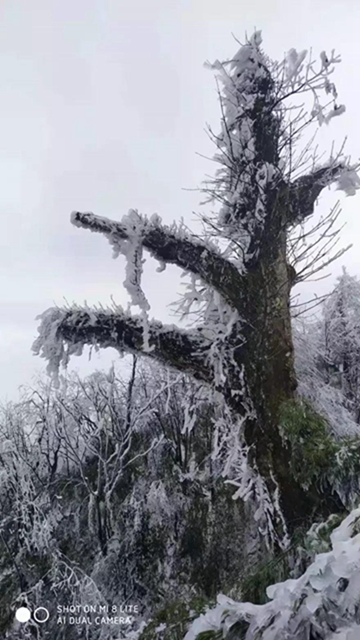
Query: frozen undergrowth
{"x": 324, "y": 603}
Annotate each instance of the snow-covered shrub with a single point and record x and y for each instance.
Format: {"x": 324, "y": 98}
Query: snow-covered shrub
{"x": 323, "y": 603}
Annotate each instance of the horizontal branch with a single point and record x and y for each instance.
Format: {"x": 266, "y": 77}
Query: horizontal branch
{"x": 300, "y": 196}
{"x": 74, "y": 328}
{"x": 173, "y": 247}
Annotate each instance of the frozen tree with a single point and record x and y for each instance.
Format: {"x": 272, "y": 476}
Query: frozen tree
{"x": 241, "y": 346}
{"x": 104, "y": 485}
{"x": 318, "y": 379}
{"x": 342, "y": 338}
{"x": 69, "y": 461}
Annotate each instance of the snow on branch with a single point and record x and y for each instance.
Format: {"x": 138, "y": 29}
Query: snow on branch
{"x": 348, "y": 181}
{"x": 297, "y": 75}
{"x": 247, "y": 146}
{"x": 169, "y": 245}
{"x": 257, "y": 145}
{"x": 64, "y": 332}
{"x": 301, "y": 195}
{"x": 323, "y": 603}
{"x": 131, "y": 247}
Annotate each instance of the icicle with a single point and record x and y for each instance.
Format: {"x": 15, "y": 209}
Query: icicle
{"x": 146, "y": 333}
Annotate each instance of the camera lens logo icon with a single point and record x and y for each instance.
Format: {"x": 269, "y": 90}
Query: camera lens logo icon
{"x": 41, "y": 614}
{"x": 23, "y": 614}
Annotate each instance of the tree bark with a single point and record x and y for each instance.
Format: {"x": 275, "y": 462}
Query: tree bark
{"x": 268, "y": 358}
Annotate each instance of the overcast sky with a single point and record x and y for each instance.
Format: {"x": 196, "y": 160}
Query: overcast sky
{"x": 103, "y": 106}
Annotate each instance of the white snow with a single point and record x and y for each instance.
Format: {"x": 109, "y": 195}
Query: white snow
{"x": 336, "y": 111}
{"x": 316, "y": 599}
{"x": 349, "y": 181}
{"x": 242, "y": 178}
{"x": 294, "y": 63}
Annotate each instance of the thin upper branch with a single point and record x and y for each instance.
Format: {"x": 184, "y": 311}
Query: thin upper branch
{"x": 174, "y": 248}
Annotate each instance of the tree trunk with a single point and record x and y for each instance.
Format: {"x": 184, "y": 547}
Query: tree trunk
{"x": 268, "y": 360}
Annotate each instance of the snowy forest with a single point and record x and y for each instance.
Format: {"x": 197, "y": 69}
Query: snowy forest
{"x": 215, "y": 485}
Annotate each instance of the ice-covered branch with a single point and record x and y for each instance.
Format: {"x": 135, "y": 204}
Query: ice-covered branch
{"x": 171, "y": 246}
{"x": 322, "y": 603}
{"x": 64, "y": 332}
{"x": 300, "y": 197}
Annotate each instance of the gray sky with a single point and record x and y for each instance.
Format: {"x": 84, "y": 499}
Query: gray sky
{"x": 103, "y": 108}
